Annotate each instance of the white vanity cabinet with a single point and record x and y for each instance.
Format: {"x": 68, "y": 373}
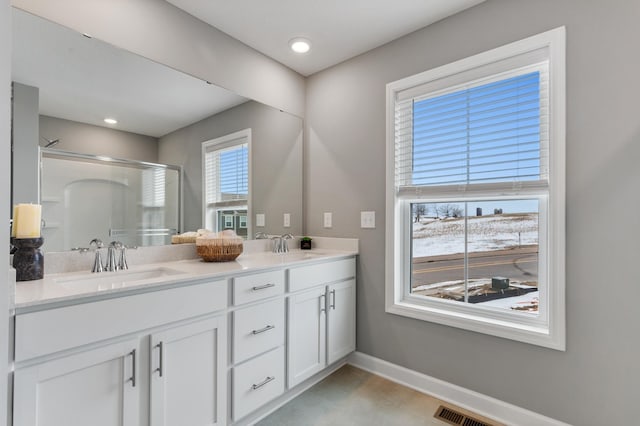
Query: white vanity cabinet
{"x": 322, "y": 319}
{"x": 192, "y": 353}
{"x": 341, "y": 320}
{"x": 98, "y": 363}
{"x": 186, "y": 365}
{"x": 97, "y": 387}
{"x": 258, "y": 339}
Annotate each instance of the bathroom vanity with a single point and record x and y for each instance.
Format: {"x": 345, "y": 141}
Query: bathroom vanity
{"x": 181, "y": 343}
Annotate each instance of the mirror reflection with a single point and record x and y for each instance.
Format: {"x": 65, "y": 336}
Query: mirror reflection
{"x": 67, "y": 85}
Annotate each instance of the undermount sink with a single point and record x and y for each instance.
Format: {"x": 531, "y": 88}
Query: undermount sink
{"x": 301, "y": 255}
{"x": 111, "y": 280}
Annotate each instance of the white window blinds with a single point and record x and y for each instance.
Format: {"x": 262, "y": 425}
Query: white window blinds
{"x": 492, "y": 131}
{"x": 227, "y": 174}
{"x": 153, "y": 187}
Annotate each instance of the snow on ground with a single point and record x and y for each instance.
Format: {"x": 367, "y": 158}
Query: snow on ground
{"x": 518, "y": 303}
{"x": 432, "y": 237}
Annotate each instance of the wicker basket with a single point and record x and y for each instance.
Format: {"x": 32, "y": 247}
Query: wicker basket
{"x": 218, "y": 249}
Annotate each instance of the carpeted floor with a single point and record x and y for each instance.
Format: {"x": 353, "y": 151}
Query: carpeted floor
{"x": 351, "y": 397}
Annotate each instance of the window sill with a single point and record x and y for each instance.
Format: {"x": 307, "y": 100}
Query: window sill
{"x": 535, "y": 335}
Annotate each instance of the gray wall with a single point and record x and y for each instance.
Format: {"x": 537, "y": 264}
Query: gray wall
{"x": 25, "y": 143}
{"x": 5, "y": 193}
{"x": 276, "y": 150}
{"x": 161, "y": 32}
{"x": 96, "y": 140}
{"x": 595, "y": 382}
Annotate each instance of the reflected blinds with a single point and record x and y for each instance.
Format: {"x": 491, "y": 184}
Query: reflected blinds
{"x": 153, "y": 187}
{"x": 226, "y": 173}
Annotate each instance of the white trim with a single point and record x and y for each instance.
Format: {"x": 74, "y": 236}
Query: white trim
{"x": 476, "y": 402}
{"x": 221, "y": 141}
{"x": 550, "y": 330}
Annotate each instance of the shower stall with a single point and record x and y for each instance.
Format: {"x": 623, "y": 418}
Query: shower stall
{"x": 85, "y": 197}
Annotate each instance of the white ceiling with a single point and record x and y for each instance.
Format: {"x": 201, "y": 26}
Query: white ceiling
{"x": 86, "y": 80}
{"x": 338, "y": 29}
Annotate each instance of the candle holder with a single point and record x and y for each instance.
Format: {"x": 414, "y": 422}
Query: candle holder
{"x": 28, "y": 260}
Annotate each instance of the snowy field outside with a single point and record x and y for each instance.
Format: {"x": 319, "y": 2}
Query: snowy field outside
{"x": 509, "y": 242}
{"x": 433, "y": 237}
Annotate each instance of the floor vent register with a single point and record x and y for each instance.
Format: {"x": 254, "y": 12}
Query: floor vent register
{"x": 456, "y": 418}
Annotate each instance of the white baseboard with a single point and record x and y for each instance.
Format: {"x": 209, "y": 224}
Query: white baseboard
{"x": 464, "y": 398}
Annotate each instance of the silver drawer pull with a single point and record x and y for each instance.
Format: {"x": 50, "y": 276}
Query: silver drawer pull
{"x": 262, "y": 330}
{"x": 264, "y": 382}
{"x": 132, "y": 379}
{"x": 161, "y": 359}
{"x": 262, "y": 287}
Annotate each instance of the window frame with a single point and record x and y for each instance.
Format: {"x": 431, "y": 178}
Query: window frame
{"x": 548, "y": 329}
{"x": 223, "y": 142}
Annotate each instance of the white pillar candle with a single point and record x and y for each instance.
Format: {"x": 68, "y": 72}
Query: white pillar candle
{"x": 29, "y": 221}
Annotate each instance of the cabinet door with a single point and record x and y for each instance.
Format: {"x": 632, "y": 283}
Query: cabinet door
{"x": 341, "y": 320}
{"x": 307, "y": 335}
{"x": 188, "y": 374}
{"x": 98, "y": 387}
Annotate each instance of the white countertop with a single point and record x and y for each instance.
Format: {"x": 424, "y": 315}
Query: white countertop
{"x": 78, "y": 287}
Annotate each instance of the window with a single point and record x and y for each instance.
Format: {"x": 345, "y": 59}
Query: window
{"x": 475, "y": 193}
{"x": 226, "y": 183}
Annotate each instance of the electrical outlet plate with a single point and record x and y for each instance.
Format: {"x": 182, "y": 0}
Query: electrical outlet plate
{"x": 368, "y": 220}
{"x": 287, "y": 220}
{"x": 260, "y": 219}
{"x": 327, "y": 220}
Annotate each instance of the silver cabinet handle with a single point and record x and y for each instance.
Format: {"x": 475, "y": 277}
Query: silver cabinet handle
{"x": 132, "y": 379}
{"x": 160, "y": 368}
{"x": 333, "y": 298}
{"x": 262, "y": 330}
{"x": 323, "y": 303}
{"x": 262, "y": 383}
{"x": 262, "y": 287}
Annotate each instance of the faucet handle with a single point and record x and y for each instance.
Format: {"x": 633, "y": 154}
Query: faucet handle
{"x": 97, "y": 263}
{"x": 97, "y": 242}
{"x": 112, "y": 264}
{"x": 122, "y": 262}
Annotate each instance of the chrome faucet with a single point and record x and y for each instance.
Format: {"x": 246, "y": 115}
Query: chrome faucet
{"x": 276, "y": 244}
{"x": 112, "y": 264}
{"x": 285, "y": 245}
{"x": 97, "y": 262}
{"x": 261, "y": 236}
{"x": 280, "y": 244}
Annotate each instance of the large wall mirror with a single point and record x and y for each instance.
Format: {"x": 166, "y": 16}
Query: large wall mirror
{"x": 65, "y": 85}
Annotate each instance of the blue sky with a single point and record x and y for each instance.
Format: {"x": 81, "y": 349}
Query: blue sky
{"x": 234, "y": 170}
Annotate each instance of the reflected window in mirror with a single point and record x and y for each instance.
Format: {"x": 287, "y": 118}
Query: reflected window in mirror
{"x": 226, "y": 182}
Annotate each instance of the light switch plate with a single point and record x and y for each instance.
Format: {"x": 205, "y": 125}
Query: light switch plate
{"x": 368, "y": 219}
{"x": 260, "y": 219}
{"x": 327, "y": 220}
{"x": 287, "y": 220}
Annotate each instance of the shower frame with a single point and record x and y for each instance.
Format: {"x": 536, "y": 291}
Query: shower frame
{"x": 103, "y": 159}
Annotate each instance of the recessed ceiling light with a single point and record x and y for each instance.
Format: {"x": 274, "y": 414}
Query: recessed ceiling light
{"x": 300, "y": 45}
{"x": 111, "y": 121}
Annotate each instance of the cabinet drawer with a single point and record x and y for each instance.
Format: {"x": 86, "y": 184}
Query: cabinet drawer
{"x": 313, "y": 275}
{"x": 53, "y": 330}
{"x": 257, "y": 382}
{"x": 257, "y": 329}
{"x": 254, "y": 287}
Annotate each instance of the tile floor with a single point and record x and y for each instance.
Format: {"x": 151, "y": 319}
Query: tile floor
{"x": 352, "y": 397}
